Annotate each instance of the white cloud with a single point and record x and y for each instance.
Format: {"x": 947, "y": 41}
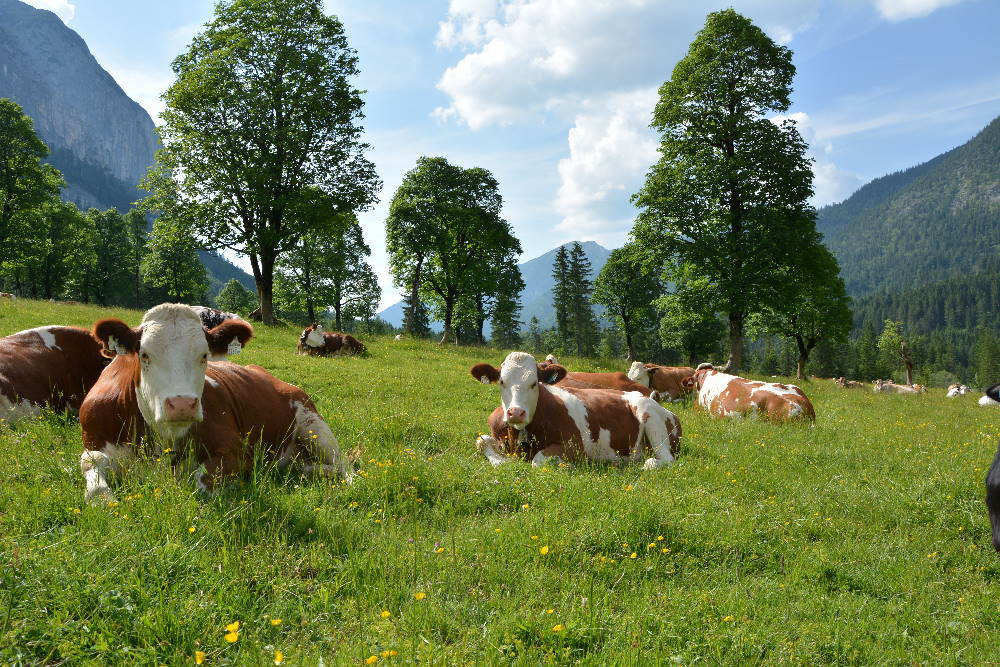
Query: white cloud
{"x": 610, "y": 149}
{"x": 529, "y": 57}
{"x": 143, "y": 85}
{"x": 900, "y": 10}
{"x": 62, "y": 8}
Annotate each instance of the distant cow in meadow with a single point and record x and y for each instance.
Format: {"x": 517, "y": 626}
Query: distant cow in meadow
{"x": 49, "y": 366}
{"x": 8, "y": 296}
{"x": 889, "y": 387}
{"x": 848, "y": 384}
{"x": 537, "y": 418}
{"x": 992, "y": 397}
{"x": 725, "y": 395}
{"x": 956, "y": 389}
{"x": 314, "y": 341}
{"x": 161, "y": 391}
{"x": 672, "y": 382}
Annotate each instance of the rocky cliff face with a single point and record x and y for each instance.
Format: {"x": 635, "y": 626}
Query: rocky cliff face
{"x": 100, "y": 139}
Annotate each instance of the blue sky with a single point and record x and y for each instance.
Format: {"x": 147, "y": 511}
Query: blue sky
{"x": 554, "y": 96}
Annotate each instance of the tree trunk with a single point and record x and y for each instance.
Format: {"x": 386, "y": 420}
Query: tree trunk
{"x": 263, "y": 275}
{"x": 904, "y": 352}
{"x": 735, "y": 343}
{"x": 629, "y": 350}
{"x": 449, "y": 309}
{"x": 414, "y": 296}
{"x": 338, "y": 323}
{"x": 312, "y": 311}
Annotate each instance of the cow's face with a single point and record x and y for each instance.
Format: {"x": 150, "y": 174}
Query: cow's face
{"x": 639, "y": 373}
{"x": 315, "y": 337}
{"x": 518, "y": 377}
{"x": 700, "y": 374}
{"x": 173, "y": 349}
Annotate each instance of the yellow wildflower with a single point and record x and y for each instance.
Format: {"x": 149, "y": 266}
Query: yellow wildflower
{"x": 199, "y": 657}
{"x": 371, "y": 660}
{"x": 544, "y": 550}
{"x": 279, "y": 657}
{"x": 419, "y": 596}
{"x": 275, "y": 621}
{"x": 191, "y": 529}
{"x": 385, "y": 613}
{"x": 234, "y": 626}
{"x": 558, "y": 628}
{"x": 231, "y": 637}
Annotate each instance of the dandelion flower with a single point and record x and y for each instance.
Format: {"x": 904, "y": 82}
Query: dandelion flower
{"x": 439, "y": 550}
{"x": 275, "y": 621}
{"x": 558, "y": 628}
{"x": 544, "y": 550}
{"x": 385, "y": 613}
{"x": 199, "y": 657}
{"x": 632, "y": 555}
{"x": 233, "y": 627}
{"x": 371, "y": 660}
{"x": 628, "y": 487}
{"x": 727, "y": 619}
{"x": 419, "y": 596}
{"x": 526, "y": 506}
{"x": 191, "y": 529}
{"x": 534, "y": 537}
{"x": 550, "y": 611}
{"x": 231, "y": 637}
{"x": 279, "y": 657}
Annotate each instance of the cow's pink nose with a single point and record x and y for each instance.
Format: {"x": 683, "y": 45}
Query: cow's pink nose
{"x": 180, "y": 409}
{"x": 516, "y": 415}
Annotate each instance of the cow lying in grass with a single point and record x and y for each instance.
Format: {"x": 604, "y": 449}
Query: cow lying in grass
{"x": 616, "y": 381}
{"x": 314, "y": 341}
{"x": 161, "y": 392}
{"x": 49, "y": 366}
{"x": 672, "y": 382}
{"x": 889, "y": 387}
{"x": 956, "y": 389}
{"x": 538, "y": 419}
{"x": 725, "y": 395}
{"x": 848, "y": 384}
{"x": 992, "y": 397}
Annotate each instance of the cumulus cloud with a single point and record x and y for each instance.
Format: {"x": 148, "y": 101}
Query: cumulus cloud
{"x": 610, "y": 149}
{"x": 900, "y": 10}
{"x": 524, "y": 58}
{"x": 62, "y": 8}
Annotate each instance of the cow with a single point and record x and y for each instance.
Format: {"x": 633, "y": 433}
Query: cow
{"x": 725, "y": 395}
{"x": 848, "y": 384}
{"x": 992, "y": 397}
{"x": 956, "y": 389}
{"x": 8, "y": 296}
{"x": 50, "y": 366}
{"x": 398, "y": 337}
{"x": 551, "y": 359}
{"x": 616, "y": 381}
{"x": 889, "y": 387}
{"x": 213, "y": 317}
{"x": 314, "y": 341}
{"x": 538, "y": 419}
{"x": 993, "y": 498}
{"x": 161, "y": 392}
{"x": 672, "y": 382}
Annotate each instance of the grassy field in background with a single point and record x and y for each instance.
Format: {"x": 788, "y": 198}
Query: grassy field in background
{"x": 863, "y": 540}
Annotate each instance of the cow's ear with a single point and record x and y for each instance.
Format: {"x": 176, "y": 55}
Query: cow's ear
{"x": 228, "y": 338}
{"x": 485, "y": 373}
{"x": 551, "y": 373}
{"x": 651, "y": 369}
{"x": 688, "y": 382}
{"x": 118, "y": 337}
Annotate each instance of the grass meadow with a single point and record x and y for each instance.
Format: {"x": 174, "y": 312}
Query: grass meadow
{"x": 862, "y": 540}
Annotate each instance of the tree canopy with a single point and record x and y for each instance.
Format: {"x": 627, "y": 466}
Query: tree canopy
{"x": 262, "y": 115}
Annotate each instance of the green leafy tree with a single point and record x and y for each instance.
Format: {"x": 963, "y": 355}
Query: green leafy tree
{"x": 172, "y": 262}
{"x": 235, "y": 298}
{"x": 25, "y": 181}
{"x": 109, "y": 280}
{"x": 355, "y": 291}
{"x": 727, "y": 199}
{"x": 893, "y": 350}
{"x": 820, "y": 309}
{"x": 67, "y": 233}
{"x": 867, "y": 353}
{"x": 689, "y": 326}
{"x": 443, "y": 222}
{"x": 261, "y": 113}
{"x": 365, "y": 307}
{"x": 627, "y": 289}
{"x": 135, "y": 229}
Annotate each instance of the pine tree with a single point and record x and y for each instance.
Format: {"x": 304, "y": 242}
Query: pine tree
{"x": 561, "y": 295}
{"x": 867, "y": 353}
{"x": 416, "y": 319}
{"x": 582, "y": 324}
{"x": 534, "y": 340}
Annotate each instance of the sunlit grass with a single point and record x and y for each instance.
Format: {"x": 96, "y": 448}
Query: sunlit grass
{"x": 863, "y": 540}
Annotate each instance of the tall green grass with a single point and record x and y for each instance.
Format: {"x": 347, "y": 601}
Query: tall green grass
{"x": 862, "y": 540}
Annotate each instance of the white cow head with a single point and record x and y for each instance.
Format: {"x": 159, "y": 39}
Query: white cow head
{"x": 518, "y": 376}
{"x": 638, "y": 372}
{"x": 173, "y": 349}
{"x": 314, "y": 336}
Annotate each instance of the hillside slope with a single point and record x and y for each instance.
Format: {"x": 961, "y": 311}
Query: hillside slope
{"x": 936, "y": 221}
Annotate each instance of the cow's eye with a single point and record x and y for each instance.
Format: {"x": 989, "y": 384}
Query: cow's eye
{"x": 534, "y": 384}
{"x": 144, "y": 356}
{"x": 501, "y": 383}
{"x": 204, "y": 357}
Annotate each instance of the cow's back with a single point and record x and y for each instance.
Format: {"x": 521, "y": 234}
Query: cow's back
{"x": 51, "y": 365}
{"x": 668, "y": 380}
{"x": 616, "y": 381}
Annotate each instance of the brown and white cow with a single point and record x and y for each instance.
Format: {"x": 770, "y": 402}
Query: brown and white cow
{"x": 725, "y": 395}
{"x": 314, "y": 341}
{"x": 890, "y": 387}
{"x": 616, "y": 381}
{"x": 849, "y": 384}
{"x": 213, "y": 317}
{"x": 49, "y": 366}
{"x": 8, "y": 296}
{"x": 672, "y": 382}
{"x": 956, "y": 389}
{"x": 992, "y": 397}
{"x": 162, "y": 391}
{"x": 538, "y": 419}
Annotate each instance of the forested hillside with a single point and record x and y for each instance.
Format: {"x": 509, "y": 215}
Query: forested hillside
{"x": 934, "y": 222}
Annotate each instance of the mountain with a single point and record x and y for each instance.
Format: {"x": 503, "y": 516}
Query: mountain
{"x": 536, "y": 298}
{"x": 935, "y": 222}
{"x": 100, "y": 139}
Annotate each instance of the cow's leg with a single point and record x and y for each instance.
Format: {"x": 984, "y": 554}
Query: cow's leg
{"x": 551, "y": 455}
{"x": 95, "y": 465}
{"x": 489, "y": 447}
{"x": 320, "y": 442}
{"x": 658, "y": 432}
{"x": 993, "y": 498}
